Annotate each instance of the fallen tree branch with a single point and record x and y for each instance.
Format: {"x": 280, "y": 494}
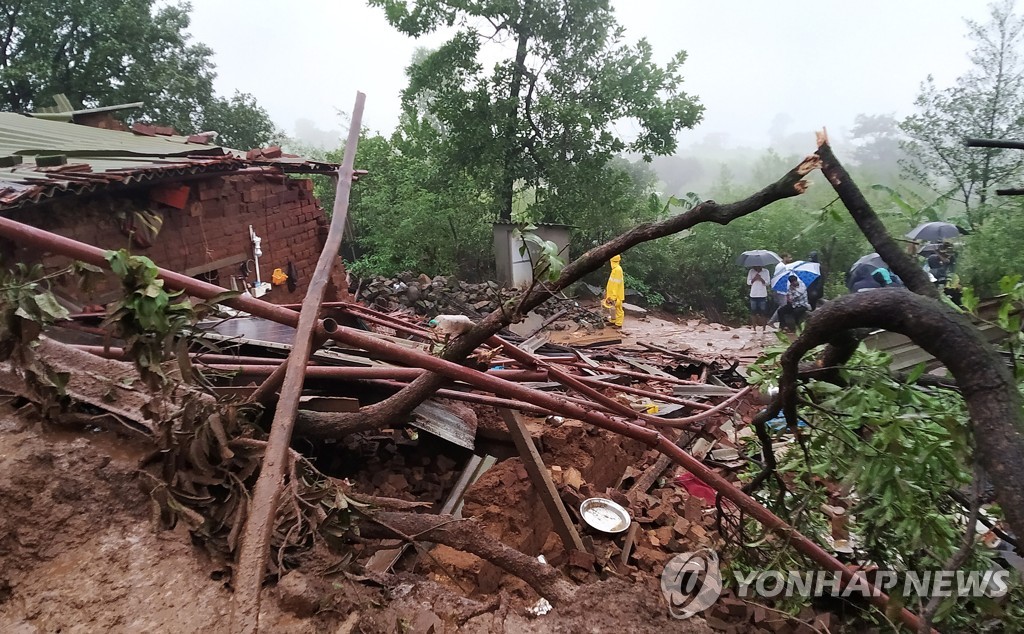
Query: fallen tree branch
{"x": 401, "y": 404}
{"x": 870, "y": 225}
{"x": 993, "y": 401}
{"x": 466, "y": 535}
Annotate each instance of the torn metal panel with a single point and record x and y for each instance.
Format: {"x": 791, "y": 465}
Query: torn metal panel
{"x": 440, "y": 421}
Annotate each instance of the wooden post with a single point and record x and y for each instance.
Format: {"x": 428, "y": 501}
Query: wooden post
{"x": 252, "y": 557}
{"x": 542, "y": 481}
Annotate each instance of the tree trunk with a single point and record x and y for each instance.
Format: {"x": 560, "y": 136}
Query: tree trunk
{"x": 506, "y": 189}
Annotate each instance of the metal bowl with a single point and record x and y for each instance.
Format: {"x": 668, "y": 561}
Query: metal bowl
{"x": 604, "y": 515}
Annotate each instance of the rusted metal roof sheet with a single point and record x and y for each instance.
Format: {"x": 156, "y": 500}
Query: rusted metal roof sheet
{"x": 95, "y": 158}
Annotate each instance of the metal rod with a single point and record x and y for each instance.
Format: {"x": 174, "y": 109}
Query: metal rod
{"x": 259, "y": 526}
{"x": 378, "y": 372}
{"x": 470, "y": 397}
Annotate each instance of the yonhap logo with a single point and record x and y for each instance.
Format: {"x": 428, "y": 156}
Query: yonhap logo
{"x": 691, "y": 583}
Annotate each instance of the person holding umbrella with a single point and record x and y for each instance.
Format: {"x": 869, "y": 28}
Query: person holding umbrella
{"x": 791, "y": 314}
{"x": 757, "y": 280}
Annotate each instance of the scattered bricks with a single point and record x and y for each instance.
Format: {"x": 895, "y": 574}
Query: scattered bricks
{"x": 664, "y": 534}
{"x": 719, "y": 625}
{"x": 676, "y": 546}
{"x": 521, "y": 472}
{"x": 618, "y": 497}
{"x": 556, "y": 474}
{"x": 397, "y": 480}
{"x": 694, "y": 509}
{"x": 445, "y": 464}
{"x": 581, "y": 559}
{"x": 660, "y": 516}
{"x": 271, "y": 152}
{"x": 697, "y": 533}
{"x": 572, "y": 477}
{"x": 681, "y": 527}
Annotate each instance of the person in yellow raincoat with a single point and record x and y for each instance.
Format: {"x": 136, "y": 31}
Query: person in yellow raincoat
{"x": 615, "y": 292}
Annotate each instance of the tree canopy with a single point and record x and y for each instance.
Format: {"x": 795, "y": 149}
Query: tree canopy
{"x": 108, "y": 52}
{"x": 985, "y": 102}
{"x": 542, "y": 119}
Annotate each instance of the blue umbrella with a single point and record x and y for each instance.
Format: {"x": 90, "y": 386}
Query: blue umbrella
{"x": 806, "y": 271}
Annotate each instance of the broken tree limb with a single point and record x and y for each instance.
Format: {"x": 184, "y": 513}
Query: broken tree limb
{"x": 993, "y": 401}
{"x": 870, "y": 225}
{"x": 252, "y": 558}
{"x": 467, "y": 536}
{"x": 791, "y": 184}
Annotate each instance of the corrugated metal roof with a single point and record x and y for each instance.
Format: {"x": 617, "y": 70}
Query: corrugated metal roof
{"x": 98, "y": 158}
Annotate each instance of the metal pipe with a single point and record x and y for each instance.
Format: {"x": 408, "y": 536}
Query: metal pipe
{"x": 356, "y": 373}
{"x": 46, "y": 241}
{"x": 199, "y": 357}
{"x": 774, "y": 523}
{"x": 470, "y": 397}
{"x": 629, "y": 389}
{"x": 625, "y": 372}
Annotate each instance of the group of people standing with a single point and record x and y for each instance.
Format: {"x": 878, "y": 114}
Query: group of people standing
{"x": 792, "y": 304}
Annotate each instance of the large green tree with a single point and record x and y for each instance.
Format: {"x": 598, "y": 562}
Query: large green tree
{"x": 547, "y": 116}
{"x": 986, "y": 102}
{"x": 106, "y": 52}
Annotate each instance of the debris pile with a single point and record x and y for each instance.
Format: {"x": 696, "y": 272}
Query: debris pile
{"x": 447, "y": 295}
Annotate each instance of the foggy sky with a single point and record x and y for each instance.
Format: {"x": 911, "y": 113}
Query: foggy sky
{"x": 758, "y": 66}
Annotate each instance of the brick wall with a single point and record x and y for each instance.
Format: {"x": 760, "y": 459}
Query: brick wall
{"x": 209, "y": 235}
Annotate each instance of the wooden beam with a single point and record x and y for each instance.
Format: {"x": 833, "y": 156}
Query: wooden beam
{"x": 541, "y": 480}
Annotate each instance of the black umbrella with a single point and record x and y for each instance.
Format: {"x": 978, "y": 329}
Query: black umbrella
{"x": 872, "y": 259}
{"x": 934, "y": 231}
{"x": 758, "y": 257}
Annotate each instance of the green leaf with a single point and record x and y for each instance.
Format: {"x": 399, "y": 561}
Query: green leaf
{"x": 47, "y": 303}
{"x": 970, "y": 300}
{"x": 915, "y": 373}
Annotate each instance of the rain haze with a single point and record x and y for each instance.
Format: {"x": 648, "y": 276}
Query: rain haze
{"x": 762, "y": 69}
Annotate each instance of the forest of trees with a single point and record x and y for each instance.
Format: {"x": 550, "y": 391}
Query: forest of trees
{"x": 533, "y": 141}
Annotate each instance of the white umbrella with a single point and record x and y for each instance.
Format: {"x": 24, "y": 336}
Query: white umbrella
{"x": 758, "y": 257}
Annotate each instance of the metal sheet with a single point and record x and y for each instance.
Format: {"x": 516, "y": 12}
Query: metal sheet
{"x": 438, "y": 420}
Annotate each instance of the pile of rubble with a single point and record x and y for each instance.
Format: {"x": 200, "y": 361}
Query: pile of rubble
{"x": 447, "y": 295}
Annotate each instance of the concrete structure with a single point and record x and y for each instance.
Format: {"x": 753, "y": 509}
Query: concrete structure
{"x": 514, "y": 268}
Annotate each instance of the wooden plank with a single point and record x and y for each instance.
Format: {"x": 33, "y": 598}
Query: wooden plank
{"x": 542, "y": 480}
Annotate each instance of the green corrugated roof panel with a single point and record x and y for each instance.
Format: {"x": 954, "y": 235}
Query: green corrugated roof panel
{"x": 98, "y": 158}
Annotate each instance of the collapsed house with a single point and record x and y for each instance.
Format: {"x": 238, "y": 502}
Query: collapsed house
{"x": 239, "y": 220}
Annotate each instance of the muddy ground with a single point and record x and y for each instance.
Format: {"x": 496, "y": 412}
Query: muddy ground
{"x": 79, "y": 552}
